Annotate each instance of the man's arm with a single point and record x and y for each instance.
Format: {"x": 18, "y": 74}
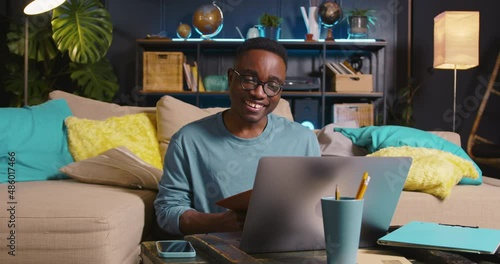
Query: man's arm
{"x": 194, "y": 222}
{"x": 174, "y": 205}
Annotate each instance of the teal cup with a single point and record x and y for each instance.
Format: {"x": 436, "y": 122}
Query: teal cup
{"x": 342, "y": 226}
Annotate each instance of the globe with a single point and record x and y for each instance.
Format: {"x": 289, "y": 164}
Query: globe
{"x": 183, "y": 31}
{"x": 208, "y": 20}
{"x": 329, "y": 14}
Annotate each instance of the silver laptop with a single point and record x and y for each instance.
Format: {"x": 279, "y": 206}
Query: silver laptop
{"x": 284, "y": 212}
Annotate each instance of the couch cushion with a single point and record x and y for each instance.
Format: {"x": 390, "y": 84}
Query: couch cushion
{"x": 172, "y": 114}
{"x": 92, "y": 109}
{"x": 467, "y": 205}
{"x": 70, "y": 222}
{"x": 89, "y": 138}
{"x": 378, "y": 137}
{"x": 117, "y": 167}
{"x": 33, "y": 143}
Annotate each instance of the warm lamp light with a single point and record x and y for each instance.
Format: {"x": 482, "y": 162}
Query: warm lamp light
{"x": 456, "y": 44}
{"x": 41, "y": 6}
{"x": 34, "y": 8}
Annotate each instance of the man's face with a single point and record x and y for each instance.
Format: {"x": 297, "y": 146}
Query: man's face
{"x": 254, "y": 105}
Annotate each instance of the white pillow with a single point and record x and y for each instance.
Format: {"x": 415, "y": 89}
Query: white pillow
{"x": 336, "y": 144}
{"x": 117, "y": 167}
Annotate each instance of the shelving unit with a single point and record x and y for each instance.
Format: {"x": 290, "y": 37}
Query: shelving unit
{"x": 305, "y": 59}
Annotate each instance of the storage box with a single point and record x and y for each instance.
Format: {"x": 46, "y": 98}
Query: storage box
{"x": 362, "y": 113}
{"x": 352, "y": 83}
{"x": 163, "y": 71}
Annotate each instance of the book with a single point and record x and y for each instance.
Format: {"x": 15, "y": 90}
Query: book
{"x": 430, "y": 235}
{"x": 332, "y": 69}
{"x": 238, "y": 202}
{"x": 345, "y": 64}
{"x": 338, "y": 68}
{"x": 198, "y": 82}
{"x": 188, "y": 75}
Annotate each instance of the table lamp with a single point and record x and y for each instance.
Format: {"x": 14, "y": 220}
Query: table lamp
{"x": 34, "y": 8}
{"x": 456, "y": 44}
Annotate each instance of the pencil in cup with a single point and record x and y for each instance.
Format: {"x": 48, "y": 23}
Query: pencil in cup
{"x": 362, "y": 186}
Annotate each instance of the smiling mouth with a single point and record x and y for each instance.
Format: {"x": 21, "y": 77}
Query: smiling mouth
{"x": 254, "y": 105}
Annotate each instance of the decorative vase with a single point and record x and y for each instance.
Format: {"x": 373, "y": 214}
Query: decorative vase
{"x": 314, "y": 22}
{"x": 358, "y": 27}
{"x": 216, "y": 83}
{"x": 270, "y": 32}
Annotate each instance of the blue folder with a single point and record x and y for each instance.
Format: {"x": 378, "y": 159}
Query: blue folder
{"x": 444, "y": 237}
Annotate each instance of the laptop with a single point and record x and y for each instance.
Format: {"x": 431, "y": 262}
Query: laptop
{"x": 284, "y": 208}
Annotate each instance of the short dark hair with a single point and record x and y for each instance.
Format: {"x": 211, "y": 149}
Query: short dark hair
{"x": 262, "y": 44}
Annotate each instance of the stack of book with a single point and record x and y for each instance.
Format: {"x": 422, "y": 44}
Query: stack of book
{"x": 341, "y": 68}
{"x": 345, "y": 79}
{"x": 193, "y": 81}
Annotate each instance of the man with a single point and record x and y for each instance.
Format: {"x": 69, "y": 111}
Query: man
{"x": 217, "y": 156}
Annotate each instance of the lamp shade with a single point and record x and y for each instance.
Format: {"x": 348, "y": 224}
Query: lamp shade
{"x": 456, "y": 40}
{"x": 40, "y": 6}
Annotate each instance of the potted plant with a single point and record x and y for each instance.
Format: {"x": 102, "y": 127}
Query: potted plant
{"x": 270, "y": 26}
{"x": 359, "y": 21}
{"x": 66, "y": 52}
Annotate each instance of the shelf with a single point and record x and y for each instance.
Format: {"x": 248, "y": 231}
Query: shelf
{"x": 359, "y": 95}
{"x": 216, "y": 56}
{"x": 283, "y": 94}
{"x": 183, "y": 93}
{"x": 165, "y": 44}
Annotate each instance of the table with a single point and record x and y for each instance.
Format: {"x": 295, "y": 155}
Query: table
{"x": 212, "y": 248}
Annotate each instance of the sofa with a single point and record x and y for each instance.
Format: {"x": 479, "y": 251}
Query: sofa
{"x": 101, "y": 208}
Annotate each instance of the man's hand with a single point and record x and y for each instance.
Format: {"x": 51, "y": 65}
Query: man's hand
{"x": 194, "y": 222}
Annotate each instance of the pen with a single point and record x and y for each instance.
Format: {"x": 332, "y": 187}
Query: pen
{"x": 337, "y": 193}
{"x": 362, "y": 186}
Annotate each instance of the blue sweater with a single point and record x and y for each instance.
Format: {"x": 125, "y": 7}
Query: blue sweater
{"x": 205, "y": 163}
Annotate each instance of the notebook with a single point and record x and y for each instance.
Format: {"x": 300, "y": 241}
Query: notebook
{"x": 444, "y": 237}
{"x": 284, "y": 206}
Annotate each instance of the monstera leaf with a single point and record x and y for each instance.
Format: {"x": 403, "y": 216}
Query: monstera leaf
{"x": 66, "y": 52}
{"x": 98, "y": 81}
{"x": 83, "y": 28}
{"x": 41, "y": 47}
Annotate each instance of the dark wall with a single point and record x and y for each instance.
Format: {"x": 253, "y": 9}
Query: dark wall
{"x": 434, "y": 102}
{"x": 438, "y": 84}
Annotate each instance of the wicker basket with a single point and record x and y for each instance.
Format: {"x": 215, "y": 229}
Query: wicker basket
{"x": 362, "y": 113}
{"x": 163, "y": 71}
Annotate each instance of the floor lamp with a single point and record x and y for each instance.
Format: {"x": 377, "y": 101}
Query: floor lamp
{"x": 34, "y": 8}
{"x": 456, "y": 44}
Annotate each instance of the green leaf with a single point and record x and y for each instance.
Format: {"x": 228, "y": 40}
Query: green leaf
{"x": 37, "y": 87}
{"x": 97, "y": 80}
{"x": 41, "y": 46}
{"x": 403, "y": 92}
{"x": 82, "y": 28}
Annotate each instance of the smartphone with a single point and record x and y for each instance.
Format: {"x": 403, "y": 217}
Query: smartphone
{"x": 175, "y": 249}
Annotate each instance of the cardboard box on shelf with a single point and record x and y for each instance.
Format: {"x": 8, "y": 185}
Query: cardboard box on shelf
{"x": 344, "y": 80}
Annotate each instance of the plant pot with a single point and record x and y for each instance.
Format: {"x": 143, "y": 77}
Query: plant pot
{"x": 358, "y": 27}
{"x": 270, "y": 32}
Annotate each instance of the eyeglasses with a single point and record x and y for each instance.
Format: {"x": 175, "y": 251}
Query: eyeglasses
{"x": 249, "y": 82}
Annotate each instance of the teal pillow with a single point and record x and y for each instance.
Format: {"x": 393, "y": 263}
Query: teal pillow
{"x": 33, "y": 142}
{"x": 378, "y": 137}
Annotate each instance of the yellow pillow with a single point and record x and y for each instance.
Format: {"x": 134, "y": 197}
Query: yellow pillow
{"x": 89, "y": 138}
{"x": 432, "y": 171}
